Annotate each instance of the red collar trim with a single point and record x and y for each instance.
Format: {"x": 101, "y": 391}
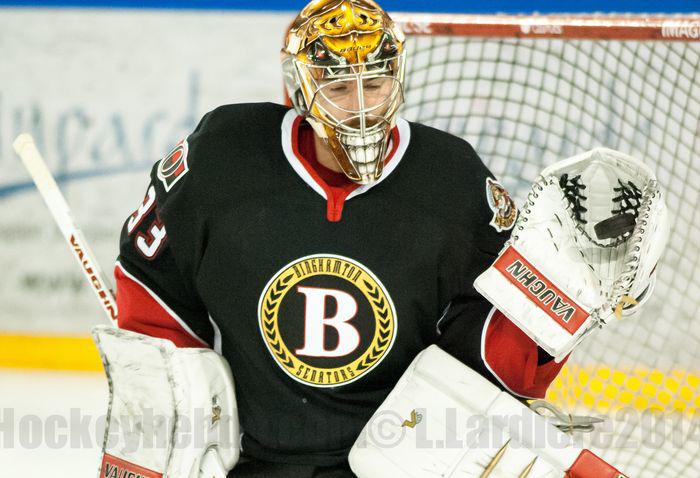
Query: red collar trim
{"x": 335, "y": 196}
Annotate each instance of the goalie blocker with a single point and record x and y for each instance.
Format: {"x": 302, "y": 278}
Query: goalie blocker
{"x": 583, "y": 249}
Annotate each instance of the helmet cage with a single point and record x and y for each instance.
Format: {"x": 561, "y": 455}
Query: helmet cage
{"x": 353, "y": 107}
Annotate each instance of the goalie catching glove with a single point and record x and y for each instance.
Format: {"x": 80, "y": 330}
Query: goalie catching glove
{"x": 583, "y": 250}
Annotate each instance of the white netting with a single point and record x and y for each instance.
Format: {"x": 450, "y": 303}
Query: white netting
{"x": 526, "y": 103}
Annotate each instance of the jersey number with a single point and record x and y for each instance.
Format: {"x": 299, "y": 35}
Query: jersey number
{"x": 141, "y": 212}
{"x": 150, "y": 243}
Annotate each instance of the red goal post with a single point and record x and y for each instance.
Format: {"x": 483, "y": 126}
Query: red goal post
{"x": 599, "y": 27}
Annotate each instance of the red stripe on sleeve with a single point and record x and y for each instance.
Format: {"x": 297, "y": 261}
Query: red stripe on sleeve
{"x": 140, "y": 312}
{"x": 512, "y": 357}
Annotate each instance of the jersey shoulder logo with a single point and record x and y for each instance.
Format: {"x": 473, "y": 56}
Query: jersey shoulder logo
{"x": 504, "y": 211}
{"x": 327, "y": 320}
{"x": 174, "y": 166}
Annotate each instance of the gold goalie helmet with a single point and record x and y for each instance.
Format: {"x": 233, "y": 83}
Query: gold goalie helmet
{"x": 343, "y": 65}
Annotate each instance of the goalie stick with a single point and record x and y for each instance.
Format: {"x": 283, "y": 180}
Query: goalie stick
{"x": 31, "y": 158}
{"x": 25, "y": 147}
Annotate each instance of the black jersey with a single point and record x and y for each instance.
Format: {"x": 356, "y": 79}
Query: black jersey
{"x": 318, "y": 301}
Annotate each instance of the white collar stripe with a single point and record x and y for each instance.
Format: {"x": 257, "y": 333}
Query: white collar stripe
{"x": 287, "y": 129}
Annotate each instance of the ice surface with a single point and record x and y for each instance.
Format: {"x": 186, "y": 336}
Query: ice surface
{"x": 51, "y": 423}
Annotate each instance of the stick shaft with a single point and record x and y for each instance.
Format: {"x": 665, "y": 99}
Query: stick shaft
{"x": 26, "y": 149}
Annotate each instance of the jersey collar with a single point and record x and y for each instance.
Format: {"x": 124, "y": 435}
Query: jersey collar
{"x": 394, "y": 154}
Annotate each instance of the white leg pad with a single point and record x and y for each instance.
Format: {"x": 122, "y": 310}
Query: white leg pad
{"x": 445, "y": 420}
{"x": 169, "y": 407}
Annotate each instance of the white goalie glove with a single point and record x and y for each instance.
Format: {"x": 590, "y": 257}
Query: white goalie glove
{"x": 583, "y": 250}
{"x": 172, "y": 411}
{"x": 444, "y": 420}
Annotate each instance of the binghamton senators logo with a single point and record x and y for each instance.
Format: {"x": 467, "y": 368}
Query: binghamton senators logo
{"x": 174, "y": 166}
{"x": 326, "y": 320}
{"x": 502, "y": 205}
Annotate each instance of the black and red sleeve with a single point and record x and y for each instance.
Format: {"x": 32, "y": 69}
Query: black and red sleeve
{"x": 156, "y": 294}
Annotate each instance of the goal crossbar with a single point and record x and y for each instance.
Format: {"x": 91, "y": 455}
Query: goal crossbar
{"x": 610, "y": 27}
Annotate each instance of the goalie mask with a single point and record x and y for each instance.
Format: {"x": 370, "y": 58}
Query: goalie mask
{"x": 343, "y": 66}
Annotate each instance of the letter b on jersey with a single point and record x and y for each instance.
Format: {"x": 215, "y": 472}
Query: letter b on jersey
{"x": 326, "y": 320}
{"x": 316, "y": 322}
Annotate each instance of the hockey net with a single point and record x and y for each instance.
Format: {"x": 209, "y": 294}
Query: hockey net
{"x": 528, "y": 91}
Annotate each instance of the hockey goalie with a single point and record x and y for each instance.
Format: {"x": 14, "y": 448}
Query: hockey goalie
{"x": 300, "y": 283}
